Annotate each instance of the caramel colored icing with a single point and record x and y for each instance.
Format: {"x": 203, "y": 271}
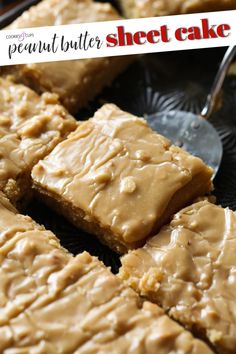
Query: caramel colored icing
{"x": 51, "y": 302}
{"x": 190, "y": 269}
{"x": 30, "y": 127}
{"x": 120, "y": 173}
{"x": 77, "y": 81}
{"x": 149, "y": 8}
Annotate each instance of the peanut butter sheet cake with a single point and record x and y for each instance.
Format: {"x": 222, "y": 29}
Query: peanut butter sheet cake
{"x": 189, "y": 268}
{"x": 78, "y": 81}
{"x": 52, "y": 302}
{"x": 116, "y": 178}
{"x": 30, "y": 127}
{"x": 150, "y": 8}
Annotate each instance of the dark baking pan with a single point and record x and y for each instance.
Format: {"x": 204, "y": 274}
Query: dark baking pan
{"x": 11, "y": 9}
{"x": 154, "y": 82}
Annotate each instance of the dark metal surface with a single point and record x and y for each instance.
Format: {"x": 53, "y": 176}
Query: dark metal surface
{"x": 11, "y": 9}
{"x": 155, "y": 83}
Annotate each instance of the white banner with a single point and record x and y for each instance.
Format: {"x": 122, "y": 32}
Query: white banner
{"x": 112, "y": 38}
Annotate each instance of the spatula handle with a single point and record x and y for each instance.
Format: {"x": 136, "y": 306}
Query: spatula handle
{"x": 218, "y": 83}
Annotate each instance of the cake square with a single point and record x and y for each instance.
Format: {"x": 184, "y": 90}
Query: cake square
{"x": 52, "y": 302}
{"x": 152, "y": 8}
{"x": 189, "y": 269}
{"x": 76, "y": 82}
{"x": 30, "y": 127}
{"x": 116, "y": 178}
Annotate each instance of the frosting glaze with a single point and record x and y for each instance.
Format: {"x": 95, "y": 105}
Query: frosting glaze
{"x": 30, "y": 127}
{"x": 189, "y": 268}
{"x": 78, "y": 81}
{"x": 52, "y": 302}
{"x": 149, "y": 8}
{"x": 121, "y": 174}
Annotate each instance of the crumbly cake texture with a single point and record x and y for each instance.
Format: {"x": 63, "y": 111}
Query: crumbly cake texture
{"x": 116, "y": 178}
{"x": 189, "y": 268}
{"x": 149, "y": 8}
{"x": 30, "y": 127}
{"x": 52, "y": 302}
{"x": 78, "y": 81}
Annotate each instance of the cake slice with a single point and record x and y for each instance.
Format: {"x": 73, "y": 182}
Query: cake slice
{"x": 30, "y": 127}
{"x": 151, "y": 8}
{"x": 116, "y": 178}
{"x": 52, "y": 302}
{"x": 78, "y": 81}
{"x": 189, "y": 268}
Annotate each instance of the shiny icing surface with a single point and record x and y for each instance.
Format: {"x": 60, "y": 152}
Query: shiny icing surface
{"x": 52, "y": 302}
{"x": 149, "y": 8}
{"x": 30, "y": 127}
{"x": 189, "y": 268}
{"x": 74, "y": 81}
{"x": 119, "y": 172}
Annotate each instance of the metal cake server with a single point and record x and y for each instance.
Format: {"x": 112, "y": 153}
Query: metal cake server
{"x": 191, "y": 131}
